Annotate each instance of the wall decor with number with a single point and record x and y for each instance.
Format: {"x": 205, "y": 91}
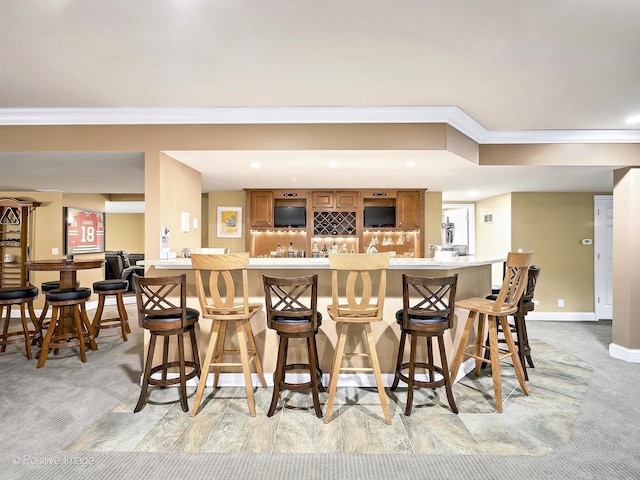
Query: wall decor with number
{"x": 84, "y": 231}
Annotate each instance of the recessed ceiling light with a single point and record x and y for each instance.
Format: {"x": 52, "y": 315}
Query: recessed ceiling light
{"x": 473, "y": 193}
{"x": 334, "y": 164}
{"x": 410, "y": 164}
{"x": 633, "y": 119}
{"x": 255, "y": 165}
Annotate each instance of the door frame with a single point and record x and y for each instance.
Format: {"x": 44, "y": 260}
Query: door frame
{"x": 601, "y": 309}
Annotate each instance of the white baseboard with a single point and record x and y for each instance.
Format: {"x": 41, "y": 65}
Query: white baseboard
{"x": 344, "y": 380}
{"x": 562, "y": 316}
{"x": 631, "y": 355}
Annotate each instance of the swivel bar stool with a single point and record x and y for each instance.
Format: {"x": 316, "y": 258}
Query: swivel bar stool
{"x": 79, "y": 331}
{"x": 22, "y": 296}
{"x": 292, "y": 311}
{"x": 427, "y": 312}
{"x": 111, "y": 288}
{"x": 163, "y": 311}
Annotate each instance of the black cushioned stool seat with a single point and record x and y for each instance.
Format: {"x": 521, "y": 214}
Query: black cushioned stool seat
{"x": 69, "y": 325}
{"x": 115, "y": 288}
{"x": 23, "y": 296}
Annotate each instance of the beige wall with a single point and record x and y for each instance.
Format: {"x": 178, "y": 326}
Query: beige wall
{"x": 432, "y": 219}
{"x": 551, "y": 225}
{"x": 226, "y": 199}
{"x": 171, "y": 188}
{"x": 125, "y": 231}
{"x": 494, "y": 239}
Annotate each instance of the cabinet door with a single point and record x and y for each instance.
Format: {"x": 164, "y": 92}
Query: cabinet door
{"x": 261, "y": 209}
{"x": 348, "y": 200}
{"x": 320, "y": 200}
{"x": 408, "y": 210}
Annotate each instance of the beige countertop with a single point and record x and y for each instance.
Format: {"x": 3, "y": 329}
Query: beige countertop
{"x": 323, "y": 263}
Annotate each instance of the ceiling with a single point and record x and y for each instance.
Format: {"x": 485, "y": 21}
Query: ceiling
{"x": 515, "y": 69}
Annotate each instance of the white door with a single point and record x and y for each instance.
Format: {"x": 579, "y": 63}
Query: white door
{"x": 463, "y": 217}
{"x": 603, "y": 256}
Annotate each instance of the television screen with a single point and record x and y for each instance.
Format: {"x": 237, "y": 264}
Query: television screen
{"x": 379, "y": 217}
{"x": 293, "y": 217}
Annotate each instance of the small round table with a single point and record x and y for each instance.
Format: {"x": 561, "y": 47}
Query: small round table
{"x": 67, "y": 269}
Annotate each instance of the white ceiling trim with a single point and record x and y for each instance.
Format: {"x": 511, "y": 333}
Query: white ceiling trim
{"x": 451, "y": 115}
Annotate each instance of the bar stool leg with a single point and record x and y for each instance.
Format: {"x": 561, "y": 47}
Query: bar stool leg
{"x": 147, "y": 374}
{"x": 278, "y": 375}
{"x": 254, "y": 352}
{"x": 377, "y": 372}
{"x": 312, "y": 348}
{"x": 44, "y": 350}
{"x": 213, "y": 341}
{"x": 495, "y": 362}
{"x": 462, "y": 346}
{"x": 244, "y": 355}
{"x": 98, "y": 315}
{"x": 343, "y": 328}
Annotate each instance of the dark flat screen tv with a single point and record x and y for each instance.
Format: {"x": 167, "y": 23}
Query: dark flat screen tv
{"x": 379, "y": 217}
{"x": 291, "y": 217}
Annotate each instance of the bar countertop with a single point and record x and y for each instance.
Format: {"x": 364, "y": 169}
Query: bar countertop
{"x": 323, "y": 263}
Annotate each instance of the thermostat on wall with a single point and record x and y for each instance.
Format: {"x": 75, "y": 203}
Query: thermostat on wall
{"x": 586, "y": 241}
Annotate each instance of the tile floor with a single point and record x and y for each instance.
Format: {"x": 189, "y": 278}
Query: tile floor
{"x": 529, "y": 425}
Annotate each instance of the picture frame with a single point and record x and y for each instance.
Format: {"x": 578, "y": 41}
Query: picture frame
{"x": 229, "y": 222}
{"x": 84, "y": 231}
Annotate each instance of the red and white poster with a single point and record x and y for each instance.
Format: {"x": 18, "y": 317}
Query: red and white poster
{"x": 85, "y": 231}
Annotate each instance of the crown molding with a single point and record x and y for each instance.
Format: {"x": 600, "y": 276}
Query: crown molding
{"x": 450, "y": 115}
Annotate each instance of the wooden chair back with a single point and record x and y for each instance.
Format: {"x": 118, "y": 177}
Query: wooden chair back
{"x": 428, "y": 298}
{"x": 352, "y": 286}
{"x": 514, "y": 282}
{"x": 219, "y": 295}
{"x": 161, "y": 298}
{"x": 291, "y": 303}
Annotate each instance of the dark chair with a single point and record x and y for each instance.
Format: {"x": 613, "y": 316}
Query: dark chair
{"x": 292, "y": 311}
{"x": 120, "y": 265}
{"x": 111, "y": 288}
{"x": 22, "y": 296}
{"x": 162, "y": 309}
{"x": 427, "y": 312}
{"x": 63, "y": 332}
{"x": 519, "y": 326}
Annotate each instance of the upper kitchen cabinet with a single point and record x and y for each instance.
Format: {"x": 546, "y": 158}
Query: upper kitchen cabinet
{"x": 329, "y": 199}
{"x": 261, "y": 208}
{"x": 408, "y": 209}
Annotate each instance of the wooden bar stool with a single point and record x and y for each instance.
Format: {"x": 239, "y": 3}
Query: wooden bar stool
{"x": 162, "y": 309}
{"x": 44, "y": 288}
{"x": 218, "y": 302}
{"x": 292, "y": 311}
{"x": 427, "y": 312}
{"x": 513, "y": 285}
{"x": 115, "y": 288}
{"x": 23, "y": 296}
{"x": 519, "y": 326}
{"x": 78, "y": 331}
{"x": 352, "y": 305}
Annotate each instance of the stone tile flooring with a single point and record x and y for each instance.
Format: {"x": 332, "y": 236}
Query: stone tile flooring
{"x": 529, "y": 425}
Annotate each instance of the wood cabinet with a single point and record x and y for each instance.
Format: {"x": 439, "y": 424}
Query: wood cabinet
{"x": 260, "y": 209}
{"x": 339, "y": 199}
{"x": 15, "y": 233}
{"x": 408, "y": 209}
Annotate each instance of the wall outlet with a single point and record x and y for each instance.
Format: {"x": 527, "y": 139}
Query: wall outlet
{"x": 536, "y": 302}
{"x": 561, "y": 302}
{"x": 55, "y": 251}
{"x": 519, "y": 250}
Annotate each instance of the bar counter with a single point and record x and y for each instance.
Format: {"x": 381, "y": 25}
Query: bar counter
{"x": 474, "y": 280}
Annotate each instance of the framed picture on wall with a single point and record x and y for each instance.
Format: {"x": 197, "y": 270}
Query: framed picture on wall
{"x": 83, "y": 231}
{"x": 229, "y": 222}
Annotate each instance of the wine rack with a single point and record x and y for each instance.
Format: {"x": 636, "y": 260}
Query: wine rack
{"x": 334, "y": 223}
